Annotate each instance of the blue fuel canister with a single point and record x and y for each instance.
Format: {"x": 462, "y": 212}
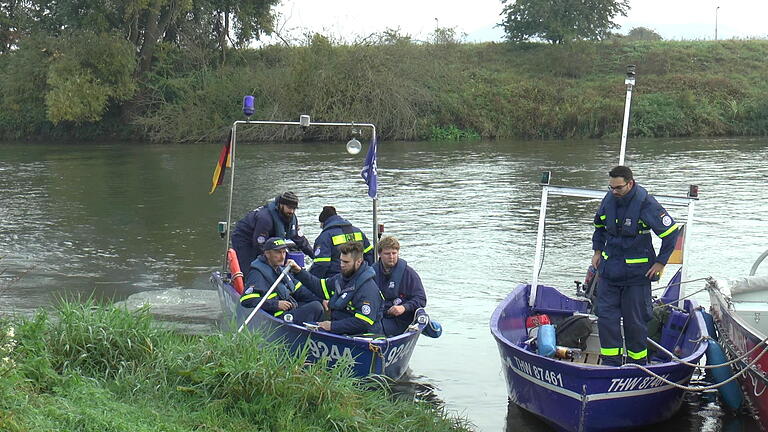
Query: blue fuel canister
{"x": 671, "y": 333}
{"x": 296, "y": 256}
{"x": 546, "y": 340}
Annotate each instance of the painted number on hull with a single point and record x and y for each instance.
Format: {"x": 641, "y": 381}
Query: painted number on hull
{"x": 319, "y": 349}
{"x": 397, "y": 353}
{"x": 636, "y": 383}
{"x": 534, "y": 371}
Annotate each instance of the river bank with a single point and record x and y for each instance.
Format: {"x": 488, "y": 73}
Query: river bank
{"x": 422, "y": 91}
{"x": 99, "y": 369}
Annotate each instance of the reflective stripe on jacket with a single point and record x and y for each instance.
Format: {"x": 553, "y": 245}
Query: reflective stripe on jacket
{"x": 623, "y": 233}
{"x": 336, "y": 231}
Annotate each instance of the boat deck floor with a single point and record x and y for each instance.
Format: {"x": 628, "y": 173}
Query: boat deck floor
{"x": 591, "y": 355}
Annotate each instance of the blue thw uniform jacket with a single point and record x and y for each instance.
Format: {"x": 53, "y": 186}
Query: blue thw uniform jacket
{"x": 261, "y": 279}
{"x": 257, "y": 226}
{"x": 402, "y": 286}
{"x": 336, "y": 231}
{"x": 623, "y": 233}
{"x": 355, "y": 302}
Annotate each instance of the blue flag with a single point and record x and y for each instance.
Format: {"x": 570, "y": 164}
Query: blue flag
{"x": 369, "y": 170}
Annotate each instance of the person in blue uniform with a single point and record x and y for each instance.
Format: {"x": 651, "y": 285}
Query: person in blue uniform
{"x": 351, "y": 297}
{"x": 627, "y": 263}
{"x": 275, "y": 219}
{"x": 289, "y": 300}
{"x": 336, "y": 231}
{"x": 400, "y": 285}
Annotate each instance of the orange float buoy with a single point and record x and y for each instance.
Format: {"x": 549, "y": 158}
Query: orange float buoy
{"x": 234, "y": 269}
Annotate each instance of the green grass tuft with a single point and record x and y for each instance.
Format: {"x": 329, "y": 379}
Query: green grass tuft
{"x": 94, "y": 368}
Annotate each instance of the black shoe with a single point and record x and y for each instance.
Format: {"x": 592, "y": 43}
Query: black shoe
{"x": 616, "y": 360}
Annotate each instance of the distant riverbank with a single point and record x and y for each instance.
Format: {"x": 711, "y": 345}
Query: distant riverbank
{"x": 433, "y": 91}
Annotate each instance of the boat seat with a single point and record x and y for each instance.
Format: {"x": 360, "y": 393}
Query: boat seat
{"x": 551, "y": 301}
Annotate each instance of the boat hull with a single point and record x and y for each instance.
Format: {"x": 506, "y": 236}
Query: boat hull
{"x": 388, "y": 357}
{"x": 578, "y": 397}
{"x": 737, "y": 338}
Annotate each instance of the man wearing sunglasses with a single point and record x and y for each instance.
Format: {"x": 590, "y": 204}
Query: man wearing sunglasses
{"x": 627, "y": 263}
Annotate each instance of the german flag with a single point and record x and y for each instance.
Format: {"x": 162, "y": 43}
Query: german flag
{"x": 225, "y": 160}
{"x": 677, "y": 253}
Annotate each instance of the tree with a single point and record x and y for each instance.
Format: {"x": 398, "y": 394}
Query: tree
{"x": 89, "y": 56}
{"x": 559, "y": 21}
{"x": 143, "y": 23}
{"x": 446, "y": 36}
{"x": 643, "y": 34}
{"x": 87, "y": 72}
{"x": 217, "y": 21}
{"x": 11, "y": 22}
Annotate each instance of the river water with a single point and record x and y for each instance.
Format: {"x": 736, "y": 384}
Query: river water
{"x": 135, "y": 223}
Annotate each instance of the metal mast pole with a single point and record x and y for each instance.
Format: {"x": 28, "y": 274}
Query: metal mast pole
{"x": 630, "y": 82}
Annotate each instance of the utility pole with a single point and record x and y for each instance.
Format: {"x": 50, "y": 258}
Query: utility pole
{"x": 716, "y": 9}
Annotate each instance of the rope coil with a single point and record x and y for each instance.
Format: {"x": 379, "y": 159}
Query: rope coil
{"x": 709, "y": 387}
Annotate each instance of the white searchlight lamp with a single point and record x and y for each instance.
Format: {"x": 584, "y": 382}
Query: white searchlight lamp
{"x": 353, "y": 145}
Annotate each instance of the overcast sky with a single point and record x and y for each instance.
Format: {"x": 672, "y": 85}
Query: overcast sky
{"x": 672, "y": 19}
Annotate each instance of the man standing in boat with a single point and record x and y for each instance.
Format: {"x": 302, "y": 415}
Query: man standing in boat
{"x": 400, "y": 285}
{"x": 336, "y": 231}
{"x": 627, "y": 263}
{"x": 352, "y": 297}
{"x": 289, "y": 300}
{"x": 275, "y": 219}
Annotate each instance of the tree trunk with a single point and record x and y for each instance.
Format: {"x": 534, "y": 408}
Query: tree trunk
{"x": 223, "y": 38}
{"x": 158, "y": 20}
{"x": 150, "y": 38}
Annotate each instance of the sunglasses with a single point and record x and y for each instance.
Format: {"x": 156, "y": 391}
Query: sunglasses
{"x": 615, "y": 188}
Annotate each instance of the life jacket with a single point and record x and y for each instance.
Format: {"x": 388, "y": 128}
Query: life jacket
{"x": 628, "y": 251}
{"x": 279, "y": 226}
{"x": 284, "y": 288}
{"x": 632, "y": 214}
{"x": 343, "y": 295}
{"x": 392, "y": 290}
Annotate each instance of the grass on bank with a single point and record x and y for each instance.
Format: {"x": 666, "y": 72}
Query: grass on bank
{"x": 490, "y": 90}
{"x": 417, "y": 91}
{"x": 99, "y": 369}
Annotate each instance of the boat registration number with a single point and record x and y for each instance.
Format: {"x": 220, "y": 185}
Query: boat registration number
{"x": 396, "y": 353}
{"x": 554, "y": 378}
{"x": 319, "y": 349}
